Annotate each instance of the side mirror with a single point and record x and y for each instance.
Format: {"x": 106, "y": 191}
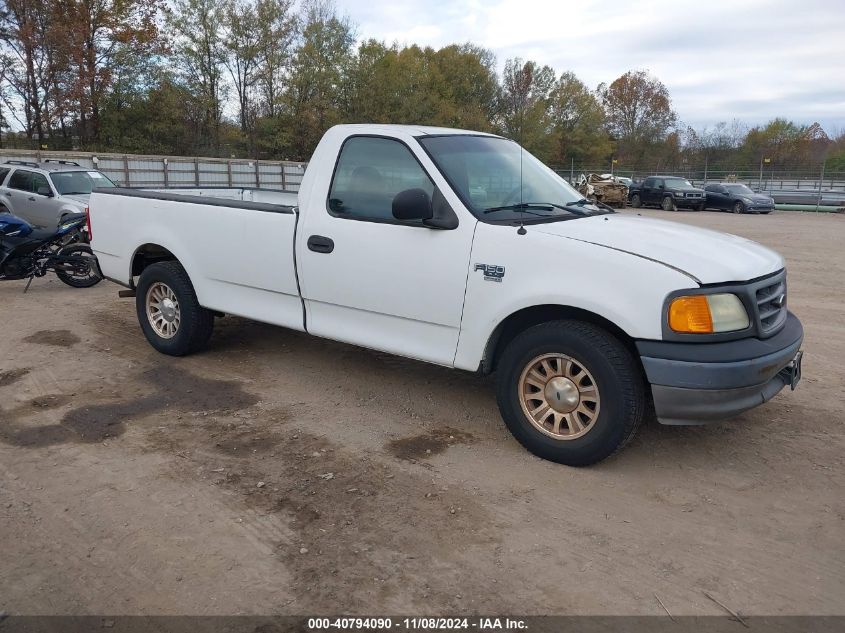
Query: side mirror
{"x": 435, "y": 212}
{"x": 44, "y": 190}
{"x": 412, "y": 204}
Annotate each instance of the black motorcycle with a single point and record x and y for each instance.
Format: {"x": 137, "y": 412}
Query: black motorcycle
{"x": 27, "y": 252}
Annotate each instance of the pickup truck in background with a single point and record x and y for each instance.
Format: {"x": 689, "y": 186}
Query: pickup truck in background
{"x": 461, "y": 249}
{"x": 670, "y": 193}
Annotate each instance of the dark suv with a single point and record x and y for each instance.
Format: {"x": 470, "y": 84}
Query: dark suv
{"x": 668, "y": 192}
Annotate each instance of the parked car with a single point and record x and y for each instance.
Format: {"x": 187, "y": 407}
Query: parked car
{"x": 461, "y": 249}
{"x": 668, "y": 192}
{"x": 736, "y": 197}
{"x": 46, "y": 193}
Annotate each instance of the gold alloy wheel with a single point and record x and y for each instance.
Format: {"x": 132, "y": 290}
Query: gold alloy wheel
{"x": 559, "y": 396}
{"x": 163, "y": 310}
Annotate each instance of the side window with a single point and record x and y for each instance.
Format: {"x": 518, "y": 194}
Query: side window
{"x": 712, "y": 188}
{"x": 369, "y": 174}
{"x": 649, "y": 182}
{"x": 40, "y": 184}
{"x": 21, "y": 179}
{"x": 4, "y": 171}
{"x": 658, "y": 182}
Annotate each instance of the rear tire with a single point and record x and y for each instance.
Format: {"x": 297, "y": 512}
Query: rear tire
{"x": 636, "y": 202}
{"x": 92, "y": 278}
{"x": 168, "y": 310}
{"x": 580, "y": 358}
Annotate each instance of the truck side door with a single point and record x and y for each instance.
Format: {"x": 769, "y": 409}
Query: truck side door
{"x": 647, "y": 191}
{"x": 370, "y": 279}
{"x": 43, "y": 202}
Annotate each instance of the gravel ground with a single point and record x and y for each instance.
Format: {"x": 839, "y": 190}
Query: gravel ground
{"x": 281, "y": 474}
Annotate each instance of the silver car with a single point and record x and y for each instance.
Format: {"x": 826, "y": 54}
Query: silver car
{"x": 44, "y": 194}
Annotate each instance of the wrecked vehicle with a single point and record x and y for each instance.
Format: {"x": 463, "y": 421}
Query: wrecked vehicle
{"x": 604, "y": 188}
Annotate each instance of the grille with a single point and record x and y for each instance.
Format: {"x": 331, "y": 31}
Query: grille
{"x": 771, "y": 304}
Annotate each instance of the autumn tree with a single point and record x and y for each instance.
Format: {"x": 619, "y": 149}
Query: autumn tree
{"x": 26, "y": 63}
{"x": 318, "y": 75}
{"x": 639, "y": 112}
{"x": 277, "y": 24}
{"x": 524, "y": 103}
{"x": 98, "y": 37}
{"x": 578, "y": 123}
{"x": 196, "y": 29}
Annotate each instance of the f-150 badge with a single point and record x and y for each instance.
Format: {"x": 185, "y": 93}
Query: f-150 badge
{"x": 491, "y": 271}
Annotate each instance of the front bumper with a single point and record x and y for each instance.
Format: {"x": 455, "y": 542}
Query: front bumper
{"x": 695, "y": 383}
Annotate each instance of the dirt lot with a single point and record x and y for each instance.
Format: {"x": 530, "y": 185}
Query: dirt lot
{"x": 281, "y": 474}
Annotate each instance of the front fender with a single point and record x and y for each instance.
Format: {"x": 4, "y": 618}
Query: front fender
{"x": 544, "y": 269}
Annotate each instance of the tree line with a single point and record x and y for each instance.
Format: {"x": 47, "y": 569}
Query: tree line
{"x": 266, "y": 78}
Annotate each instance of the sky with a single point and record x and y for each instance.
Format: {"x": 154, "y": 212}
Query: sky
{"x": 721, "y": 60}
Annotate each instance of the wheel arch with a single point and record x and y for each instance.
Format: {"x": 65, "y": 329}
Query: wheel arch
{"x": 530, "y": 316}
{"x": 148, "y": 254}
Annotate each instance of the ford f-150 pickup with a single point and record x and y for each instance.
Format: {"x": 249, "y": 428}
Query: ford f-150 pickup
{"x": 461, "y": 249}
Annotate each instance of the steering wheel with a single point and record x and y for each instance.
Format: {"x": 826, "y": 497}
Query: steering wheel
{"x": 514, "y": 196}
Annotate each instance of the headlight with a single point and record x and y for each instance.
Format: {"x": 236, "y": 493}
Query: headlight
{"x": 707, "y": 314}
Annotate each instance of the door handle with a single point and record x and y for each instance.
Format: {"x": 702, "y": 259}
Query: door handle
{"x": 320, "y": 244}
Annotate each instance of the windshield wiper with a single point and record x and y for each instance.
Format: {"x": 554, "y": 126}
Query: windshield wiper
{"x": 573, "y": 207}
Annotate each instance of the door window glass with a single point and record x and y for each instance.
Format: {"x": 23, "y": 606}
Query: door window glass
{"x": 21, "y": 179}
{"x": 39, "y": 184}
{"x": 369, "y": 174}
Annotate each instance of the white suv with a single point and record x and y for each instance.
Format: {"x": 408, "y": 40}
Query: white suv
{"x": 46, "y": 193}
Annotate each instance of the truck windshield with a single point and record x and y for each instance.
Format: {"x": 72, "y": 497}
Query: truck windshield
{"x": 500, "y": 182}
{"x": 79, "y": 182}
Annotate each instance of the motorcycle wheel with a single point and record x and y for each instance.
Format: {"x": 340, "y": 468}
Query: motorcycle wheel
{"x": 75, "y": 280}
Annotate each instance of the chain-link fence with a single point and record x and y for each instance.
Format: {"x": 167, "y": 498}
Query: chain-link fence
{"x": 766, "y": 178}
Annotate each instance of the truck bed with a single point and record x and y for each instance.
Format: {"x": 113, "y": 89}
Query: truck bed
{"x": 244, "y": 266}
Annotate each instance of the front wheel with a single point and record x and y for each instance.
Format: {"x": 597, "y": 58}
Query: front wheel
{"x": 668, "y": 204}
{"x": 168, "y": 310}
{"x": 570, "y": 392}
{"x": 83, "y": 271}
{"x": 739, "y": 207}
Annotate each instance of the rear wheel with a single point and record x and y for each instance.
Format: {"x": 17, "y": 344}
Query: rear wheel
{"x": 168, "y": 310}
{"x": 668, "y": 204}
{"x": 636, "y": 202}
{"x": 570, "y": 392}
{"x": 738, "y": 207}
{"x": 83, "y": 272}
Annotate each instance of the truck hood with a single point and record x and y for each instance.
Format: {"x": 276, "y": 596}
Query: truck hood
{"x": 707, "y": 256}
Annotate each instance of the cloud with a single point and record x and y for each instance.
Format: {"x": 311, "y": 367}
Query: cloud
{"x": 720, "y": 59}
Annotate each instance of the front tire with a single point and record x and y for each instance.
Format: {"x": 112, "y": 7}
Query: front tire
{"x": 668, "y": 204}
{"x": 168, "y": 310}
{"x": 570, "y": 392}
{"x": 738, "y": 207}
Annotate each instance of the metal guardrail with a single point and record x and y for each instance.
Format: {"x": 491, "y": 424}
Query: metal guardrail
{"x": 134, "y": 170}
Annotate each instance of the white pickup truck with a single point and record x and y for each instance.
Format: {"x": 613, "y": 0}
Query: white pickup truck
{"x": 461, "y": 249}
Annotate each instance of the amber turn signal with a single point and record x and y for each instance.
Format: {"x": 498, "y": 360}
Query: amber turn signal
{"x": 691, "y": 315}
